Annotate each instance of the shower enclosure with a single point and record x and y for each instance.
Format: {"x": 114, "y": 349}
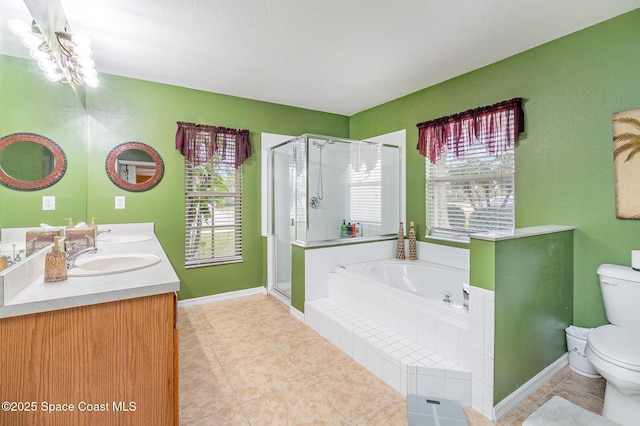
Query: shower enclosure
{"x": 327, "y": 191}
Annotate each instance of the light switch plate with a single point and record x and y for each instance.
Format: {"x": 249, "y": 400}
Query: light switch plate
{"x": 119, "y": 202}
{"x": 48, "y": 202}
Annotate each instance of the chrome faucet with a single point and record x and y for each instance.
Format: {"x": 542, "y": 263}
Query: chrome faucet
{"x": 71, "y": 258}
{"x": 104, "y": 231}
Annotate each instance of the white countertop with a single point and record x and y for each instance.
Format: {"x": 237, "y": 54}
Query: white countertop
{"x": 522, "y": 232}
{"x": 38, "y": 296}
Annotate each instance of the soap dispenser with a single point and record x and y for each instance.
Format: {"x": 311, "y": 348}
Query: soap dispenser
{"x": 93, "y": 231}
{"x": 55, "y": 263}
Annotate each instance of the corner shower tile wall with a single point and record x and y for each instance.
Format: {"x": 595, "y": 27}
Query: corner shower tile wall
{"x": 324, "y": 222}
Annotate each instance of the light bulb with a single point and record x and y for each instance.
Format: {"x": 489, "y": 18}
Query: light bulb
{"x": 38, "y": 54}
{"x": 30, "y": 40}
{"x": 83, "y": 51}
{"x": 81, "y": 40}
{"x": 88, "y": 72}
{"x": 18, "y": 27}
{"x": 86, "y": 62}
{"x": 47, "y": 65}
{"x": 54, "y": 75}
{"x": 92, "y": 82}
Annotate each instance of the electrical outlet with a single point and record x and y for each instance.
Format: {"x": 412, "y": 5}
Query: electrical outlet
{"x": 119, "y": 202}
{"x": 48, "y": 202}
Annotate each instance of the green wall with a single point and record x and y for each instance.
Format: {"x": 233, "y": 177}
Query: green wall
{"x": 564, "y": 167}
{"x": 533, "y": 278}
{"x": 32, "y": 104}
{"x": 570, "y": 87}
{"x": 124, "y": 110}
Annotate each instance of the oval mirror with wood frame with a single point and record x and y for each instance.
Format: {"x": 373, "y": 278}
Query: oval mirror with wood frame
{"x": 29, "y": 162}
{"x": 134, "y": 166}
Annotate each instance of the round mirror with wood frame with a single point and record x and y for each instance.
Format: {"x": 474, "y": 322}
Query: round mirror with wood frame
{"x": 134, "y": 166}
{"x": 29, "y": 162}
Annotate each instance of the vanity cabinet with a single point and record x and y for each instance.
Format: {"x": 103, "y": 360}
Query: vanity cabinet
{"x": 108, "y": 363}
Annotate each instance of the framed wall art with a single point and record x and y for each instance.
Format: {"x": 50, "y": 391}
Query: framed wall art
{"x": 626, "y": 163}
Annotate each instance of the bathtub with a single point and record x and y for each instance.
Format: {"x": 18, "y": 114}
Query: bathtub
{"x": 406, "y": 286}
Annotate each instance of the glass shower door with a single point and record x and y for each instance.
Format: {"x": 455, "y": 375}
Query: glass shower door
{"x": 283, "y": 177}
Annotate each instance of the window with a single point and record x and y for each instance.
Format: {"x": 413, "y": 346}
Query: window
{"x": 365, "y": 182}
{"x": 470, "y": 169}
{"x": 473, "y": 194}
{"x": 213, "y": 206}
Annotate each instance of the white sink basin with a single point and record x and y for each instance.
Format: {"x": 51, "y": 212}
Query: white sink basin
{"x": 88, "y": 265}
{"x": 123, "y": 239}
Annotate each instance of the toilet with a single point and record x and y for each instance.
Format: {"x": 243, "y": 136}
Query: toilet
{"x": 614, "y": 349}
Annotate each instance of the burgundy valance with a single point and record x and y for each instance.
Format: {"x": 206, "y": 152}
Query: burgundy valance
{"x": 496, "y": 126}
{"x": 198, "y": 142}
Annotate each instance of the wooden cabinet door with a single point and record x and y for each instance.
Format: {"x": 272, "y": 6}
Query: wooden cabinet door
{"x": 111, "y": 363}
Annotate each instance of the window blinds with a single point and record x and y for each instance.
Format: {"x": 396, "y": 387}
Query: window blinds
{"x": 213, "y": 210}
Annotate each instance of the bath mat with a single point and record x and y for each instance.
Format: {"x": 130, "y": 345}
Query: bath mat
{"x": 558, "y": 411}
{"x": 427, "y": 411}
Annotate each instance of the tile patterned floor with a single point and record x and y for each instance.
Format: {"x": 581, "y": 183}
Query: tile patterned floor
{"x": 247, "y": 361}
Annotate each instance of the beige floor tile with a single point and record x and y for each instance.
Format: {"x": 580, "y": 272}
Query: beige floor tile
{"x": 568, "y": 391}
{"x": 244, "y": 343}
{"x": 267, "y": 313}
{"x": 255, "y": 376}
{"x": 289, "y": 334}
{"x": 317, "y": 356}
{"x": 248, "y": 361}
{"x": 196, "y": 354}
{"x": 231, "y": 416}
{"x": 203, "y": 394}
{"x": 393, "y": 413}
{"x": 299, "y": 404}
{"x": 354, "y": 391}
{"x": 589, "y": 386}
{"x": 225, "y": 319}
{"x": 476, "y": 419}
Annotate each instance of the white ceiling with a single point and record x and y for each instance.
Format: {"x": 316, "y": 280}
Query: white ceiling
{"x": 340, "y": 56}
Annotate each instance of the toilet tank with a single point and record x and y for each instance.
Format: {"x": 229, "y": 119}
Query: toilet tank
{"x": 620, "y": 287}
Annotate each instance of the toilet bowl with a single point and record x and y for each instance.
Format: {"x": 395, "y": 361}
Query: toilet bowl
{"x": 614, "y": 349}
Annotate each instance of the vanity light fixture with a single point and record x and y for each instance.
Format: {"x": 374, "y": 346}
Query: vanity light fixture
{"x": 65, "y": 59}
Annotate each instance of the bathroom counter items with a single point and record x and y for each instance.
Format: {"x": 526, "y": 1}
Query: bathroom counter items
{"x": 23, "y": 290}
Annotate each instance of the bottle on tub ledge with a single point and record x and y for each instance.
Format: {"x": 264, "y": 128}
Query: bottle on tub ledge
{"x": 343, "y": 229}
{"x": 400, "y": 247}
{"x": 413, "y": 254}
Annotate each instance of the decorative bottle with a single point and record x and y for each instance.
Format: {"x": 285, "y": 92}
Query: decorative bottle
{"x": 55, "y": 263}
{"x": 413, "y": 255}
{"x": 400, "y": 248}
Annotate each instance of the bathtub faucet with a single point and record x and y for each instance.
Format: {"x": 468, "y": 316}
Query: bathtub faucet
{"x": 447, "y": 296}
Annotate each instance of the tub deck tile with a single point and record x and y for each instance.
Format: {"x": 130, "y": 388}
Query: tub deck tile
{"x": 405, "y": 365}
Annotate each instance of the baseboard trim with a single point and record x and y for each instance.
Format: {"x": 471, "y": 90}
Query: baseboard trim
{"x": 507, "y": 404}
{"x": 222, "y": 296}
{"x": 296, "y": 313}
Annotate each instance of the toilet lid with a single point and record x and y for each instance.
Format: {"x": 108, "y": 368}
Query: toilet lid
{"x": 617, "y": 345}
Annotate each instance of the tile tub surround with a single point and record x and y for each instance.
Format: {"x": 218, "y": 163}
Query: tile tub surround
{"x": 211, "y": 357}
{"x": 321, "y": 261}
{"x": 409, "y": 348}
{"x": 465, "y": 345}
